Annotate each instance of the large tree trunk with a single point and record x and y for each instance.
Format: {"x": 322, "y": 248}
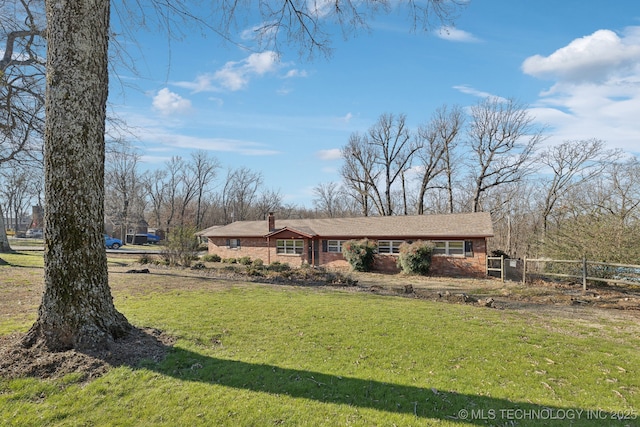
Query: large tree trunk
{"x": 77, "y": 309}
{"x": 4, "y": 240}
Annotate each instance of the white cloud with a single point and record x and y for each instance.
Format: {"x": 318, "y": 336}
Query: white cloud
{"x": 331, "y": 154}
{"x": 202, "y": 83}
{"x": 456, "y": 35}
{"x": 167, "y": 102}
{"x": 596, "y": 88}
{"x": 347, "y": 118}
{"x": 295, "y": 73}
{"x": 477, "y": 93}
{"x": 596, "y": 58}
{"x": 235, "y": 75}
{"x": 247, "y": 148}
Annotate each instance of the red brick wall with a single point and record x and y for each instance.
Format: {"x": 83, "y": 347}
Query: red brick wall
{"x": 251, "y": 247}
{"x": 475, "y": 266}
{"x": 332, "y": 260}
{"x": 256, "y": 248}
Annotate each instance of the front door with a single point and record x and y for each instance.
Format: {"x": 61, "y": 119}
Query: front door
{"x": 313, "y": 252}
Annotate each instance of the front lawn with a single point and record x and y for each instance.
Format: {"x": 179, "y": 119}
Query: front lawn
{"x": 261, "y": 355}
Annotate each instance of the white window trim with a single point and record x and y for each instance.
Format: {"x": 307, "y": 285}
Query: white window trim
{"x": 289, "y": 247}
{"x": 234, "y": 244}
{"x": 338, "y": 246}
{"x": 393, "y": 246}
{"x": 448, "y": 249}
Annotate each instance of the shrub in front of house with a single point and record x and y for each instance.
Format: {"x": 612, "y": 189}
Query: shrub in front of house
{"x": 338, "y": 278}
{"x": 211, "y": 258}
{"x": 415, "y": 258}
{"x": 245, "y": 260}
{"x": 279, "y": 267}
{"x": 359, "y": 254}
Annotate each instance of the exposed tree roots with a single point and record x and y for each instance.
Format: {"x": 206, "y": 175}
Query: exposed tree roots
{"x": 17, "y": 360}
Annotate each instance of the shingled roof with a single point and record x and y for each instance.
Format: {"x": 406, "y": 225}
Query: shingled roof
{"x": 466, "y": 225}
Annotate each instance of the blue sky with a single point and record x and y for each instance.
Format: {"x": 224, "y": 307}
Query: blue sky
{"x": 576, "y": 63}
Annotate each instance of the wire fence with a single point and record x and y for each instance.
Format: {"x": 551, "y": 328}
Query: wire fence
{"x": 584, "y": 271}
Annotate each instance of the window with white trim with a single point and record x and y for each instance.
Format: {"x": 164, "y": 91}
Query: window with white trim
{"x": 389, "y": 246}
{"x": 233, "y": 243}
{"x": 335, "y": 245}
{"x": 449, "y": 247}
{"x": 290, "y": 247}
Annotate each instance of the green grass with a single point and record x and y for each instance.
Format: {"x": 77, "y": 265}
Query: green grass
{"x": 260, "y": 356}
{"x": 36, "y": 259}
{"x": 24, "y": 259}
{"x": 36, "y": 243}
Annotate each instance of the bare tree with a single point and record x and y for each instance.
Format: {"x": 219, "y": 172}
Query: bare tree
{"x": 328, "y": 199}
{"x": 375, "y": 161}
{"x": 205, "y": 170}
{"x": 123, "y": 189}
{"x": 18, "y": 189}
{"x": 570, "y": 164}
{"x": 22, "y": 71}
{"x": 437, "y": 140}
{"x": 623, "y": 193}
{"x": 599, "y": 218}
{"x": 503, "y": 139}
{"x": 187, "y": 191}
{"x": 392, "y": 143}
{"x": 174, "y": 169}
{"x": 239, "y": 193}
{"x": 267, "y": 201}
{"x": 358, "y": 171}
{"x": 513, "y": 216}
{"x": 21, "y": 85}
{"x": 155, "y": 188}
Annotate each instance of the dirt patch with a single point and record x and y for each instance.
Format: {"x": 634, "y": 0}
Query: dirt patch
{"x": 17, "y": 361}
{"x": 505, "y": 295}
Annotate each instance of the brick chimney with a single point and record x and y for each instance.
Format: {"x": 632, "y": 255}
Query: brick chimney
{"x": 272, "y": 222}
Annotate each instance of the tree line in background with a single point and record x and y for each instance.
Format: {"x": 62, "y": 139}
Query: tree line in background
{"x": 568, "y": 200}
{"x": 563, "y": 201}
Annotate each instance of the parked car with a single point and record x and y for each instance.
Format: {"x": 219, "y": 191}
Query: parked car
{"x": 34, "y": 233}
{"x": 152, "y": 238}
{"x": 112, "y": 242}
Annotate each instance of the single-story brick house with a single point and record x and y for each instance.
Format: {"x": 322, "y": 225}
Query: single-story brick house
{"x": 460, "y": 239}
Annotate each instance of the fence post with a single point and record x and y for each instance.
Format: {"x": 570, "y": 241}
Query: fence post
{"x": 524, "y": 271}
{"x": 584, "y": 274}
{"x": 502, "y": 268}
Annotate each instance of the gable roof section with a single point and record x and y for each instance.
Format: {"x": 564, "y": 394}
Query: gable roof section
{"x": 466, "y": 225}
{"x": 301, "y": 231}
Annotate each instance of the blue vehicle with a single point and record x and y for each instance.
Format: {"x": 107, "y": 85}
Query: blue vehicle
{"x": 112, "y": 242}
{"x": 152, "y": 238}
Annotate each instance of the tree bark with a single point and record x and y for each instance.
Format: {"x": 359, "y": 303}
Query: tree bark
{"x": 4, "y": 240}
{"x": 77, "y": 309}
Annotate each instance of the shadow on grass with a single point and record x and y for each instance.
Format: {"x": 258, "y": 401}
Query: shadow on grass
{"x": 422, "y": 403}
